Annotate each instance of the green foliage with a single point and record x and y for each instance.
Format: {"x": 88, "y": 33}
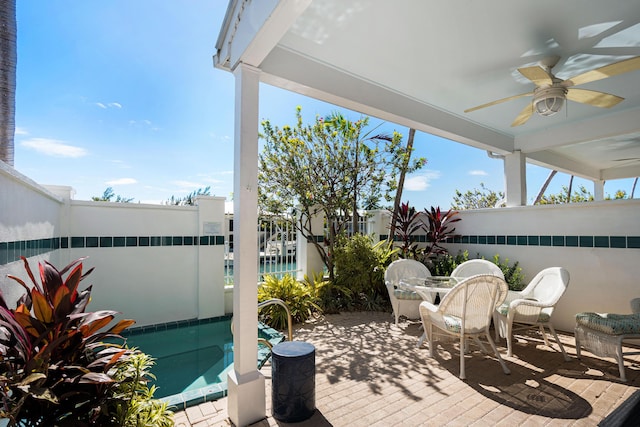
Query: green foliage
{"x": 54, "y": 365}
{"x": 580, "y": 195}
{"x": 332, "y": 167}
{"x": 360, "y": 266}
{"x": 476, "y": 198}
{"x": 299, "y": 297}
{"x": 132, "y": 403}
{"x": 512, "y": 274}
{"x": 189, "y": 199}
{"x": 444, "y": 264}
{"x": 109, "y": 194}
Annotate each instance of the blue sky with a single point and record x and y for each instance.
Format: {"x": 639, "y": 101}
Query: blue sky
{"x": 123, "y": 94}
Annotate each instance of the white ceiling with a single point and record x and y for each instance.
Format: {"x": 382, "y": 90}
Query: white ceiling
{"x": 422, "y": 63}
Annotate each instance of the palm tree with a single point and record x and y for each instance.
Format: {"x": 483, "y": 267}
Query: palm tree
{"x": 8, "y": 60}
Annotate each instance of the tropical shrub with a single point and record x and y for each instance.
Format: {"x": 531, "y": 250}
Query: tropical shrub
{"x": 512, "y": 273}
{"x": 359, "y": 266}
{"x": 298, "y": 296}
{"x": 444, "y": 264}
{"x": 55, "y": 367}
{"x": 132, "y": 403}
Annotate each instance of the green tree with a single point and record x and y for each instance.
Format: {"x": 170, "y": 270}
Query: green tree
{"x": 333, "y": 166}
{"x": 189, "y": 199}
{"x": 8, "y": 60}
{"x": 478, "y": 198}
{"x": 109, "y": 194}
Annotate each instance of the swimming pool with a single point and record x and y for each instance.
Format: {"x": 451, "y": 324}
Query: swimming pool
{"x": 193, "y": 357}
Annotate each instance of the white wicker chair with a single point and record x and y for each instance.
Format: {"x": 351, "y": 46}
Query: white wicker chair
{"x": 465, "y": 312}
{"x": 476, "y": 266}
{"x": 603, "y": 334}
{"x": 532, "y": 307}
{"x": 404, "y": 302}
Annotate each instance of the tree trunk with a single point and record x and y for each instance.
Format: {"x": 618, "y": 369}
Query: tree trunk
{"x": 403, "y": 173}
{"x": 544, "y": 187}
{"x": 633, "y": 189}
{"x": 8, "y": 60}
{"x": 570, "y": 189}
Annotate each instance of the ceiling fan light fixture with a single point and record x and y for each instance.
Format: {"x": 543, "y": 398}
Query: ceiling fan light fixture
{"x": 548, "y": 101}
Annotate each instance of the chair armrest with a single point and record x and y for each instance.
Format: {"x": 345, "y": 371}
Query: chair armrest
{"x": 528, "y": 302}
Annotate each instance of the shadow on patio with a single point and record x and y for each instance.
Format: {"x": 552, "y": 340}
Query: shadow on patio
{"x": 370, "y": 373}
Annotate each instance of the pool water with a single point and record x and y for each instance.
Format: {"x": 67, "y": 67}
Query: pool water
{"x": 193, "y": 358}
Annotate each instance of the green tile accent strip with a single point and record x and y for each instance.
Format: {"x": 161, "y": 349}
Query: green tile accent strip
{"x": 613, "y": 242}
{"x": 12, "y": 251}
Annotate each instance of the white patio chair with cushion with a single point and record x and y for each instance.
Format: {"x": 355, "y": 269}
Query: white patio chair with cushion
{"x": 465, "y": 312}
{"x": 603, "y": 334}
{"x": 404, "y": 302}
{"x": 477, "y": 266}
{"x": 532, "y": 307}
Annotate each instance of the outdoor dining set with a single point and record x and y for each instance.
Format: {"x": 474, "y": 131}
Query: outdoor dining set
{"x": 464, "y": 305}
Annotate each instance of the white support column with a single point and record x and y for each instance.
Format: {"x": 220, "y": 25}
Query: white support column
{"x": 515, "y": 176}
{"x": 598, "y": 190}
{"x": 309, "y": 260}
{"x": 246, "y": 403}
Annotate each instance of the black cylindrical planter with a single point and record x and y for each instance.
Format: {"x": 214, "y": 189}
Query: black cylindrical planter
{"x": 293, "y": 381}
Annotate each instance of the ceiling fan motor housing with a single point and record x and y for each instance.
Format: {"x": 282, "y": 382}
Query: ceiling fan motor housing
{"x": 549, "y": 100}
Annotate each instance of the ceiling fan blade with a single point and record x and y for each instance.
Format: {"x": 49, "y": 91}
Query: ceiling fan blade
{"x": 499, "y": 101}
{"x": 524, "y": 115}
{"x": 592, "y": 97}
{"x": 610, "y": 70}
{"x": 537, "y": 75}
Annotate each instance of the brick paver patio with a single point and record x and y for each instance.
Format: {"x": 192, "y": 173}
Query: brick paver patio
{"x": 370, "y": 373}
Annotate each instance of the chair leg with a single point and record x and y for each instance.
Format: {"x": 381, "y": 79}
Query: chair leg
{"x": 463, "y": 374}
{"x": 544, "y": 336}
{"x": 509, "y": 339}
{"x": 495, "y": 350}
{"x": 577, "y": 335}
{"x": 623, "y": 376}
{"x": 564, "y": 353}
{"x": 496, "y": 325}
{"x": 429, "y": 331}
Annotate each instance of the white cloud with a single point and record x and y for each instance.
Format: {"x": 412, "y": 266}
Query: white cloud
{"x": 420, "y": 182}
{"x": 52, "y": 147}
{"x": 122, "y": 181}
{"x": 108, "y": 105}
{"x": 189, "y": 185}
{"x": 478, "y": 173}
{"x": 21, "y": 131}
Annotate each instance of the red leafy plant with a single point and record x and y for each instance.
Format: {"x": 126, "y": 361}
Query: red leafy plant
{"x": 55, "y": 366}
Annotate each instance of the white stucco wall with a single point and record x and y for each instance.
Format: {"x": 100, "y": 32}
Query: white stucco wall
{"x": 602, "y": 279}
{"x": 28, "y": 212}
{"x": 150, "y": 284}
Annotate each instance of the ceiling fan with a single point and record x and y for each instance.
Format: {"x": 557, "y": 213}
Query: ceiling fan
{"x": 551, "y": 92}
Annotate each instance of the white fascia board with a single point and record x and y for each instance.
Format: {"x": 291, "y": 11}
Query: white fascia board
{"x": 630, "y": 171}
{"x": 252, "y": 28}
{"x": 622, "y": 123}
{"x": 292, "y": 71}
{"x": 550, "y": 160}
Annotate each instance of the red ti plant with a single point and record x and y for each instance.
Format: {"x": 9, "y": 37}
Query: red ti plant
{"x": 438, "y": 229}
{"x": 405, "y": 224}
{"x": 54, "y": 363}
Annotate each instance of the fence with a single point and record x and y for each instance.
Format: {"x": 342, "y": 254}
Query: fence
{"x": 276, "y": 248}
